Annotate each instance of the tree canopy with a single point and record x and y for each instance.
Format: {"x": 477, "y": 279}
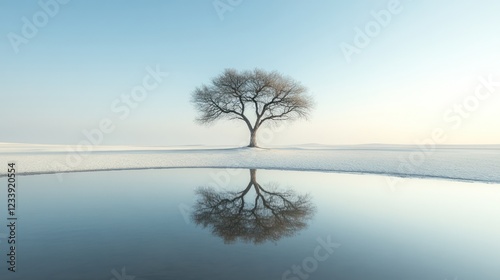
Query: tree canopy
{"x": 267, "y": 214}
{"x": 254, "y": 97}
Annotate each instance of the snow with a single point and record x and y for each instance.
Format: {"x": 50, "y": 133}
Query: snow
{"x": 469, "y": 163}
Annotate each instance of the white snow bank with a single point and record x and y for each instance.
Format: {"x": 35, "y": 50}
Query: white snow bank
{"x": 471, "y": 163}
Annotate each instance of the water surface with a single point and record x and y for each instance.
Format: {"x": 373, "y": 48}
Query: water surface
{"x": 242, "y": 224}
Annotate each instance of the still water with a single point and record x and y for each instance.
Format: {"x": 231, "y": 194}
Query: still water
{"x": 251, "y": 224}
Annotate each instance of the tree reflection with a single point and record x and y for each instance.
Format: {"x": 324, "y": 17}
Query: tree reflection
{"x": 252, "y": 216}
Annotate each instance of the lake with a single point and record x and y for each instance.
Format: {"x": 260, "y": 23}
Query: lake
{"x": 251, "y": 224}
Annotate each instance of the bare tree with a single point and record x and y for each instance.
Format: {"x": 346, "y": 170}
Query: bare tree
{"x": 264, "y": 214}
{"x": 254, "y": 97}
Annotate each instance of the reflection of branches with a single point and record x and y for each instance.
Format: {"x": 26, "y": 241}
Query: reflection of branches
{"x": 270, "y": 215}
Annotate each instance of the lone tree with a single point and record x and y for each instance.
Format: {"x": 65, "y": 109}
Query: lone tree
{"x": 254, "y": 214}
{"x": 254, "y": 97}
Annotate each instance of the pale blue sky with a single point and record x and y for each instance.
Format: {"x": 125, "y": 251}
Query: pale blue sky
{"x": 396, "y": 90}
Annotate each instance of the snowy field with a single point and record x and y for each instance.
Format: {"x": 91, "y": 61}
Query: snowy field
{"x": 467, "y": 163}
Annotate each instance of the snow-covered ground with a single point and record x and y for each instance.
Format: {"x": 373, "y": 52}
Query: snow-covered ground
{"x": 470, "y": 163}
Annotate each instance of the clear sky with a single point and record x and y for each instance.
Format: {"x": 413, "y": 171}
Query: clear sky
{"x": 410, "y": 77}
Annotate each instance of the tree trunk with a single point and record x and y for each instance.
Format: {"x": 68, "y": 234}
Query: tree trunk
{"x": 253, "y": 138}
{"x": 253, "y": 176}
